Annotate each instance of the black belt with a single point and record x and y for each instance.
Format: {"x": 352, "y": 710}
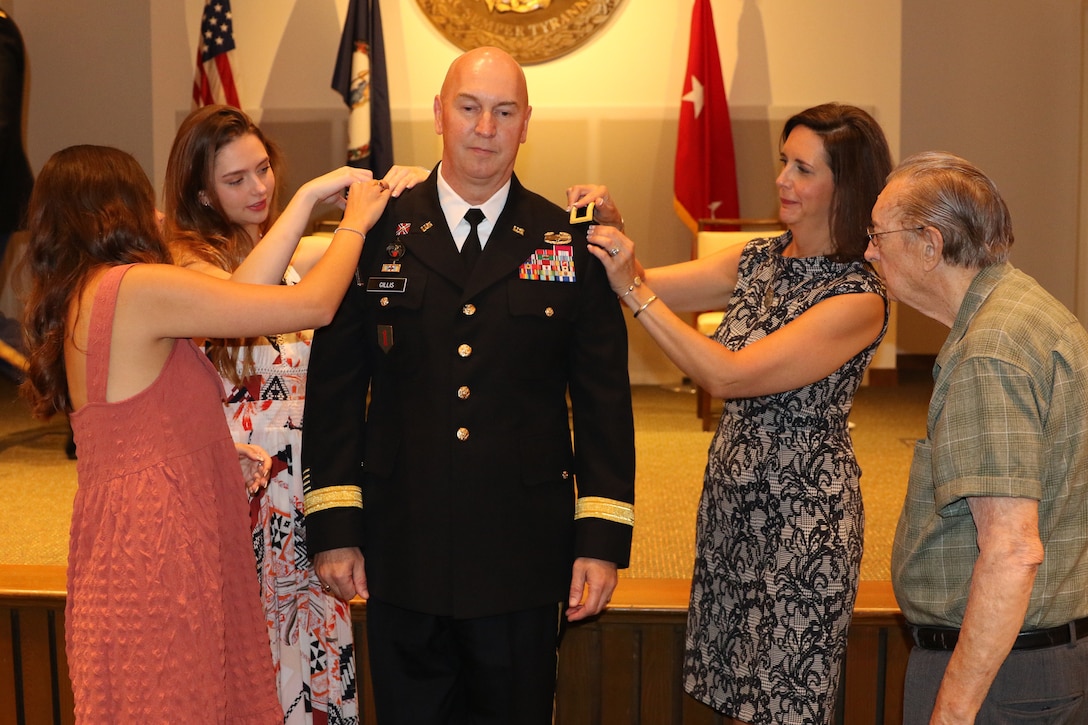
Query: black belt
{"x": 941, "y": 638}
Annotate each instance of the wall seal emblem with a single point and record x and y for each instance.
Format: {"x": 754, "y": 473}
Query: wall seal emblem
{"x": 532, "y": 31}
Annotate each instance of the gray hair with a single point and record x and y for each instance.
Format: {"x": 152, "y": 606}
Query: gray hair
{"x": 947, "y": 192}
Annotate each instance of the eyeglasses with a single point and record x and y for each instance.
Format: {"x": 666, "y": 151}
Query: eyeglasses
{"x": 873, "y": 235}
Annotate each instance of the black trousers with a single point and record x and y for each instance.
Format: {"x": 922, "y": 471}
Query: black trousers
{"x": 432, "y": 670}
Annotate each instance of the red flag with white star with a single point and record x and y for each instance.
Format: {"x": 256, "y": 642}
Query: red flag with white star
{"x": 705, "y": 183}
{"x": 214, "y": 80}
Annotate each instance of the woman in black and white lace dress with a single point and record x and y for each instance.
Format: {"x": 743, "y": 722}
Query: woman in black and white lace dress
{"x": 780, "y": 521}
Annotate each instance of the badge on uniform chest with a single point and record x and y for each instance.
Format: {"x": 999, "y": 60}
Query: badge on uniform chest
{"x": 385, "y": 337}
{"x": 396, "y": 252}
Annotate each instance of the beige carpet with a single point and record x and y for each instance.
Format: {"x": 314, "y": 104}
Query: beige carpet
{"x": 671, "y": 455}
{"x": 38, "y": 481}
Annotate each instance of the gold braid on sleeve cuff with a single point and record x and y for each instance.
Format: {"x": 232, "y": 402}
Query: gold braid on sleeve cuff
{"x": 333, "y": 497}
{"x": 596, "y": 507}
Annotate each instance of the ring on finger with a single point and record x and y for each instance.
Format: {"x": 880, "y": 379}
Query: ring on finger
{"x": 613, "y": 251}
{"x": 326, "y": 588}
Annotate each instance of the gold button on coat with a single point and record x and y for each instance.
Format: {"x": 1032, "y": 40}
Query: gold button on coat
{"x": 464, "y": 350}
{"x": 384, "y": 302}
{"x": 463, "y": 392}
{"x": 462, "y": 434}
{"x": 549, "y": 312}
{"x": 468, "y": 310}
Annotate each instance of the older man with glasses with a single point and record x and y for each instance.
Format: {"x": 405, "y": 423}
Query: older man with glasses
{"x": 990, "y": 562}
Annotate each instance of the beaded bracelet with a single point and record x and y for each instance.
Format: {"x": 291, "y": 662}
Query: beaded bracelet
{"x": 647, "y": 303}
{"x": 348, "y": 229}
{"x": 636, "y": 282}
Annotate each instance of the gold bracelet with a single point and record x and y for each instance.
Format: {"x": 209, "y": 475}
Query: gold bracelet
{"x": 636, "y": 282}
{"x": 647, "y": 303}
{"x": 348, "y": 229}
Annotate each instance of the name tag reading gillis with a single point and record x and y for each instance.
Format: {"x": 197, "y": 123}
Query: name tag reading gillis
{"x": 386, "y": 284}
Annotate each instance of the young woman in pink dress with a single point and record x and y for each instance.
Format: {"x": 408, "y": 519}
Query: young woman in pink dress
{"x": 163, "y": 619}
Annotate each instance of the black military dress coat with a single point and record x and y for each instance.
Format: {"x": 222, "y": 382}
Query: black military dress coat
{"x": 460, "y": 477}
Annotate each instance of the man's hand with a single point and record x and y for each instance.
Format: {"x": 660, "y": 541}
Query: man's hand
{"x": 342, "y": 573}
{"x": 596, "y": 579}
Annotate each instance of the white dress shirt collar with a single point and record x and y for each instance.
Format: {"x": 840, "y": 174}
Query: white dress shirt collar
{"x": 454, "y": 208}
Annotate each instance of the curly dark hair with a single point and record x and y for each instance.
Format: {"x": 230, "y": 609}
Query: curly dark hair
{"x": 92, "y": 207}
{"x": 196, "y": 226}
{"x": 860, "y": 162}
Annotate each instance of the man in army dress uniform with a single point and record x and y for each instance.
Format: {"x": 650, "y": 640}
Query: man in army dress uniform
{"x": 457, "y": 502}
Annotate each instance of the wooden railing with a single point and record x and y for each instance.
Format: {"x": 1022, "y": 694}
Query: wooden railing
{"x": 621, "y": 669}
{"x": 34, "y": 685}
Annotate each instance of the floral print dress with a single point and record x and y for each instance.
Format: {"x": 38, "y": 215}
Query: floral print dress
{"x": 780, "y": 521}
{"x": 309, "y": 630}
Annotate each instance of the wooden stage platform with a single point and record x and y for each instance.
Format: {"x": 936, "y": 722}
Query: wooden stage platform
{"x": 623, "y": 668}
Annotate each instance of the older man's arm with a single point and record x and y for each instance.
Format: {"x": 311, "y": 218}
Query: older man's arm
{"x": 1010, "y": 552}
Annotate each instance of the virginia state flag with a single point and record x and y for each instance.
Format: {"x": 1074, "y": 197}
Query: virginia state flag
{"x": 360, "y": 77}
{"x": 705, "y": 182}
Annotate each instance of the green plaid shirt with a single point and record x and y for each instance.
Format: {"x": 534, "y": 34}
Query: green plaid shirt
{"x": 1008, "y": 417}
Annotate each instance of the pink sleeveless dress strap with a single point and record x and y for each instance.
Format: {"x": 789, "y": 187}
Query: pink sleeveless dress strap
{"x": 100, "y": 332}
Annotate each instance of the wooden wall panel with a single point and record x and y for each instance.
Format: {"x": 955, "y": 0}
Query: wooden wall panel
{"x": 661, "y": 699}
{"x": 35, "y": 640}
{"x": 7, "y": 665}
{"x": 621, "y": 660}
{"x": 579, "y": 676}
{"x": 624, "y": 668}
{"x": 864, "y": 672}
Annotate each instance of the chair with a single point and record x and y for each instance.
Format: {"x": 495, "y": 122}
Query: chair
{"x": 708, "y": 240}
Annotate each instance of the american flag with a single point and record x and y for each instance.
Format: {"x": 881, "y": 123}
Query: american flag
{"x": 214, "y": 81}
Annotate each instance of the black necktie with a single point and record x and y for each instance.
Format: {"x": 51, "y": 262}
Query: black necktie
{"x": 470, "y": 250}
